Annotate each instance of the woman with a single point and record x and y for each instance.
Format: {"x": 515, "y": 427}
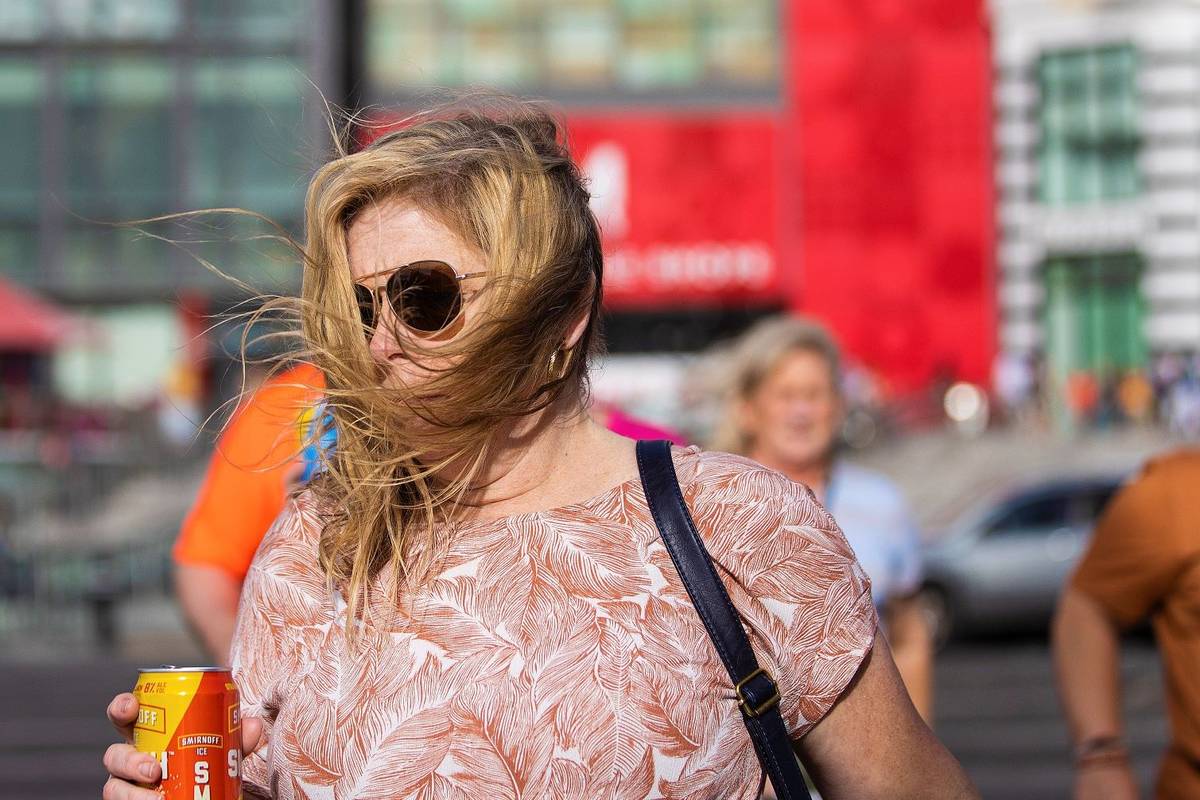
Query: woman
{"x": 472, "y": 600}
{"x": 785, "y": 410}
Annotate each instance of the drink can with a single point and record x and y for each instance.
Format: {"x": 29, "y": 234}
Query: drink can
{"x": 189, "y": 719}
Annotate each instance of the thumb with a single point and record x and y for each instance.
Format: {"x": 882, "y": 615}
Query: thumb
{"x": 253, "y": 735}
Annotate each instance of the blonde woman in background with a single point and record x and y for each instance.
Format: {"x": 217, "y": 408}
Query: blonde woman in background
{"x": 472, "y": 599}
{"x": 784, "y": 409}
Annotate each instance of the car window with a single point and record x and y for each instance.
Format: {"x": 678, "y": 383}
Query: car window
{"x": 1032, "y": 514}
{"x": 1095, "y": 501}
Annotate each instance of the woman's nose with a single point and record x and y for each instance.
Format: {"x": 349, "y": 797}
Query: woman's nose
{"x": 383, "y": 339}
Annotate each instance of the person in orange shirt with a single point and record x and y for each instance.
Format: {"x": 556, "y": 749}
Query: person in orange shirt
{"x": 1143, "y": 563}
{"x": 263, "y": 452}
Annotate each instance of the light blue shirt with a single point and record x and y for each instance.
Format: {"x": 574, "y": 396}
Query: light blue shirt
{"x": 879, "y": 525}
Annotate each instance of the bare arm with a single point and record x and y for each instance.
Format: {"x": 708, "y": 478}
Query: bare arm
{"x": 209, "y": 596}
{"x": 872, "y": 745}
{"x": 912, "y": 648}
{"x": 1086, "y": 660}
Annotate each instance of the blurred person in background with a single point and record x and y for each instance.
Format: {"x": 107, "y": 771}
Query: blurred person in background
{"x": 1015, "y": 384}
{"x": 1143, "y": 562}
{"x": 785, "y": 409}
{"x": 1135, "y": 396}
{"x": 1165, "y": 371}
{"x": 1082, "y": 394}
{"x": 267, "y": 449}
{"x": 450, "y": 603}
{"x": 1183, "y": 404}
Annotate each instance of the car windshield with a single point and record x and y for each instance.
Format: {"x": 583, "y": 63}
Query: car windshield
{"x": 1031, "y": 513}
{"x": 1050, "y": 508}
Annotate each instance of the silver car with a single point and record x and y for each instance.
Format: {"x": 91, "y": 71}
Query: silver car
{"x": 1001, "y": 565}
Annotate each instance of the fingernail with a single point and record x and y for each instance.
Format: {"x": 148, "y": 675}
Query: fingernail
{"x": 147, "y": 770}
{"x": 125, "y": 706}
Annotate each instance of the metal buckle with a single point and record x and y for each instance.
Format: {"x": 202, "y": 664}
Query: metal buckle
{"x": 766, "y": 705}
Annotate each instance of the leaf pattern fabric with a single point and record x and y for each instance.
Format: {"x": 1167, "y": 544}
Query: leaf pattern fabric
{"x": 553, "y": 654}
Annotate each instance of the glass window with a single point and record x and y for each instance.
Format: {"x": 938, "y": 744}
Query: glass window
{"x": 87, "y": 258}
{"x": 118, "y": 136}
{"x": 115, "y": 19}
{"x": 659, "y": 54}
{"x": 1096, "y": 500}
{"x": 141, "y": 260}
{"x": 739, "y": 44}
{"x": 20, "y": 20}
{"x": 1094, "y": 313}
{"x": 248, "y": 141}
{"x": 582, "y": 45}
{"x": 496, "y": 54}
{"x": 18, "y": 252}
{"x": 407, "y": 44}
{"x": 1026, "y": 515}
{"x": 96, "y": 256}
{"x": 468, "y": 11}
{"x": 254, "y": 255}
{"x": 1089, "y": 140}
{"x": 256, "y": 20}
{"x": 20, "y": 125}
{"x": 594, "y": 45}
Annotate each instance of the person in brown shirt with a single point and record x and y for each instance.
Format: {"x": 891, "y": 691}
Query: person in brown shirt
{"x": 1143, "y": 562}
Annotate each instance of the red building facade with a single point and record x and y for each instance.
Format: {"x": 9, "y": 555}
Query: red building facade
{"x": 860, "y": 193}
{"x": 889, "y": 204}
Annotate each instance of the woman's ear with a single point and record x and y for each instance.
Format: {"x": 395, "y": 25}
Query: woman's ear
{"x": 581, "y": 324}
{"x": 576, "y": 332}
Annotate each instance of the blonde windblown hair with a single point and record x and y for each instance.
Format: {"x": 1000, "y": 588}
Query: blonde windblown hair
{"x": 496, "y": 172}
{"x": 744, "y": 364}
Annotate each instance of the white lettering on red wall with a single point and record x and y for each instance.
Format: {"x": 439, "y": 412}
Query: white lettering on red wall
{"x": 686, "y": 205}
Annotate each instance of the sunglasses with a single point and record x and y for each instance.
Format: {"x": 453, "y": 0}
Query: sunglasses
{"x": 425, "y": 296}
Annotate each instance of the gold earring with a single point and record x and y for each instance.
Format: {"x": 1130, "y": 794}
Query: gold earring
{"x": 565, "y": 365}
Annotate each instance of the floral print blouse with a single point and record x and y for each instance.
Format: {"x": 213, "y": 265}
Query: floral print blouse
{"x": 553, "y": 654}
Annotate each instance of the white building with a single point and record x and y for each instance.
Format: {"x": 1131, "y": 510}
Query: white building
{"x": 1097, "y": 143}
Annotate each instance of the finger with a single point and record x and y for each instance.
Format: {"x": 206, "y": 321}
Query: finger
{"x": 122, "y": 713}
{"x": 117, "y": 789}
{"x": 253, "y": 735}
{"x": 123, "y": 761}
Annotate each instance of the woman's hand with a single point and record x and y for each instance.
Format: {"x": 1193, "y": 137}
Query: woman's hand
{"x": 130, "y": 771}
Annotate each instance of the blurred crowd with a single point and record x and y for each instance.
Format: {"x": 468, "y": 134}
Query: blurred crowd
{"x": 1166, "y": 393}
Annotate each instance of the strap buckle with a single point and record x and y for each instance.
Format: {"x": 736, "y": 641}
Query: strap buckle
{"x": 746, "y": 704}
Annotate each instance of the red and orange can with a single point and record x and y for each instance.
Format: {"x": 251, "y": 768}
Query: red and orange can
{"x": 189, "y": 719}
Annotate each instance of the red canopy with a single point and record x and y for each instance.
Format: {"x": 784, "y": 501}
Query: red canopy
{"x": 29, "y": 323}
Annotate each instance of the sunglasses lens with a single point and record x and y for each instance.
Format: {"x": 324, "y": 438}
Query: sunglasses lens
{"x": 425, "y": 296}
{"x": 366, "y": 307}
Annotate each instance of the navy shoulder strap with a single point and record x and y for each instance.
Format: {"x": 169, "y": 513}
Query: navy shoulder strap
{"x": 757, "y": 694}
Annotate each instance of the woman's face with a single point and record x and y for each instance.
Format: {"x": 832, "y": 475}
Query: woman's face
{"x": 389, "y": 234}
{"x": 794, "y": 414}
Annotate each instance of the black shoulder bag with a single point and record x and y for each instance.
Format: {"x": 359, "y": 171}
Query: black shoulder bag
{"x": 757, "y": 694}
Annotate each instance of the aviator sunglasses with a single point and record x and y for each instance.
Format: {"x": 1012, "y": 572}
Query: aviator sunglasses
{"x": 425, "y": 296}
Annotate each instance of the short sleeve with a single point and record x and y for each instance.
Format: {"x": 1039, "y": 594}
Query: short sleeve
{"x": 284, "y": 610}
{"x": 246, "y": 482}
{"x": 235, "y": 506}
{"x": 879, "y": 524}
{"x": 1134, "y": 556}
{"x": 795, "y": 581}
